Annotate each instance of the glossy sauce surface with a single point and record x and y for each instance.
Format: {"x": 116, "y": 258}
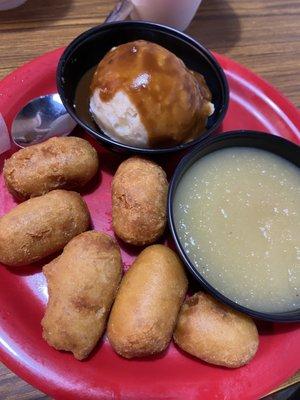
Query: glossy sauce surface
{"x": 237, "y": 212}
{"x": 82, "y": 98}
{"x": 172, "y": 101}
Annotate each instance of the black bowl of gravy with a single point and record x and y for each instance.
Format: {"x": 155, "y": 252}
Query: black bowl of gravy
{"x": 233, "y": 211}
{"x": 79, "y": 61}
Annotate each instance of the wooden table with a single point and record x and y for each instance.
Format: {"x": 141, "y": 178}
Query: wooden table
{"x": 264, "y": 35}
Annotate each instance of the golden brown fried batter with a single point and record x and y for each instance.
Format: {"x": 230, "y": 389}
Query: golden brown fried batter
{"x": 215, "y": 333}
{"x": 139, "y": 201}
{"x": 82, "y": 284}
{"x": 144, "y": 314}
{"x": 58, "y": 163}
{"x": 41, "y": 226}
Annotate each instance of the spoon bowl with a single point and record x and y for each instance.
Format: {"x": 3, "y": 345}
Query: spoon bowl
{"x": 41, "y": 119}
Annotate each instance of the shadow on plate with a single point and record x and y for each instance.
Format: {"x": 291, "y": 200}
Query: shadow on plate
{"x": 33, "y": 268}
{"x": 130, "y": 249}
{"x": 91, "y": 186}
{"x": 216, "y": 26}
{"x": 268, "y": 328}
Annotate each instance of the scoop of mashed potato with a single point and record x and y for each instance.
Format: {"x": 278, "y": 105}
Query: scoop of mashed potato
{"x": 119, "y": 119}
{"x": 144, "y": 96}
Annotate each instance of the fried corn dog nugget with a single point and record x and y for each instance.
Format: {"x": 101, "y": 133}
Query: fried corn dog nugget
{"x": 41, "y": 226}
{"x": 58, "y": 163}
{"x": 139, "y": 201}
{"x": 82, "y": 284}
{"x": 215, "y": 333}
{"x": 144, "y": 314}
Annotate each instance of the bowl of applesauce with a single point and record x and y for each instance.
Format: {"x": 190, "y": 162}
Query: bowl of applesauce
{"x": 234, "y": 213}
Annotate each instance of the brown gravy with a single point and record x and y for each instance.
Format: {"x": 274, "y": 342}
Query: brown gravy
{"x": 82, "y": 98}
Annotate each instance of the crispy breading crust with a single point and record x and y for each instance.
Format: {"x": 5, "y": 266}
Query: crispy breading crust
{"x": 215, "y": 333}
{"x": 139, "y": 201}
{"x": 147, "y": 304}
{"x": 58, "y": 163}
{"x": 41, "y": 226}
{"x": 82, "y": 284}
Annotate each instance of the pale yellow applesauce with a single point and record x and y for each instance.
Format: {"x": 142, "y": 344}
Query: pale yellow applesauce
{"x": 237, "y": 213}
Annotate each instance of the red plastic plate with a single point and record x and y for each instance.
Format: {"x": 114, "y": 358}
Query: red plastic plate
{"x": 254, "y": 104}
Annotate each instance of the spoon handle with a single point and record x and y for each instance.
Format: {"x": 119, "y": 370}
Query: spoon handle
{"x": 120, "y": 12}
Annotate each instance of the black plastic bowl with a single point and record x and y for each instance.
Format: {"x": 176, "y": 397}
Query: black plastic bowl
{"x": 90, "y": 47}
{"x": 274, "y": 144}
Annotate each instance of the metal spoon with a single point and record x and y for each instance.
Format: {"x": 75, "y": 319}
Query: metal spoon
{"x": 45, "y": 116}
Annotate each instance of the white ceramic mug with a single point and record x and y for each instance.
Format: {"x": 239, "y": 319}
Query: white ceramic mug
{"x": 175, "y": 13}
{"x": 8, "y": 4}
